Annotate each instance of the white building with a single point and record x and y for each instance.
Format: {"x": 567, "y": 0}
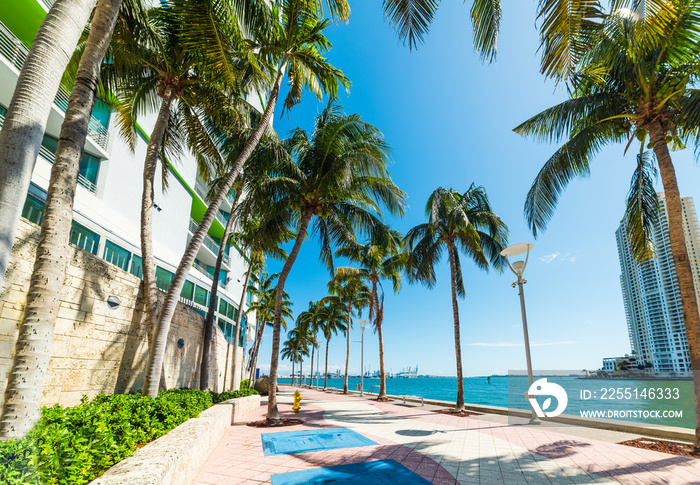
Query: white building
{"x": 108, "y": 197}
{"x": 651, "y": 296}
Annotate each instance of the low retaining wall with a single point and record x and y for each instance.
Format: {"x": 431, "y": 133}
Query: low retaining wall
{"x": 176, "y": 458}
{"x": 648, "y": 430}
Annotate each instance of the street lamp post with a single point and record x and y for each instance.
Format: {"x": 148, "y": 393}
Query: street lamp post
{"x": 518, "y": 268}
{"x": 363, "y": 325}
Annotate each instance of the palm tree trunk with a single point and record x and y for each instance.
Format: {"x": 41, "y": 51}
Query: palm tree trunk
{"x": 26, "y": 117}
{"x": 455, "y": 314}
{"x": 292, "y": 373}
{"x": 325, "y": 376}
{"x": 259, "y": 331}
{"x": 313, "y": 347}
{"x": 318, "y": 363}
{"x": 382, "y": 375}
{"x": 148, "y": 264}
{"x": 301, "y": 371}
{"x": 674, "y": 210}
{"x": 273, "y": 416}
{"x": 22, "y": 402}
{"x": 204, "y": 365}
{"x": 155, "y": 358}
{"x": 347, "y": 351}
{"x": 237, "y": 331}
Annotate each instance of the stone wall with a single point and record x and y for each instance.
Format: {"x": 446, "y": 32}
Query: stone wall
{"x": 98, "y": 349}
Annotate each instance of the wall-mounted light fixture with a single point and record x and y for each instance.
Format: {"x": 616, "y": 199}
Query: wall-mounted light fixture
{"x": 113, "y": 302}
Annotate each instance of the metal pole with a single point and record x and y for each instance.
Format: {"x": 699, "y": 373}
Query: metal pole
{"x": 533, "y": 419}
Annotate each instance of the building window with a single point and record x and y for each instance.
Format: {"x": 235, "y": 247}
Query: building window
{"x": 89, "y": 164}
{"x": 33, "y": 209}
{"x": 84, "y": 238}
{"x": 249, "y": 298}
{"x": 244, "y": 327}
{"x": 117, "y": 255}
{"x": 187, "y": 291}
{"x": 163, "y": 278}
{"x": 200, "y": 295}
{"x": 136, "y": 269}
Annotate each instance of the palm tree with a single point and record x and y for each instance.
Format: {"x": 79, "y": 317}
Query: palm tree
{"x": 311, "y": 318}
{"x": 264, "y": 307}
{"x": 379, "y": 258}
{"x": 22, "y": 403}
{"x": 301, "y": 333}
{"x": 151, "y": 67}
{"x": 247, "y": 237}
{"x": 336, "y": 178}
{"x": 293, "y": 42}
{"x": 456, "y": 222}
{"x": 638, "y": 80}
{"x": 292, "y": 352}
{"x": 26, "y": 117}
{"x": 332, "y": 316}
{"x": 353, "y": 295}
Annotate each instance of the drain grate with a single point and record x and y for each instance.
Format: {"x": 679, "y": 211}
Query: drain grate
{"x": 312, "y": 440}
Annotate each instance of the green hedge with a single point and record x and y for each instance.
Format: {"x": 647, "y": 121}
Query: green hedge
{"x": 225, "y": 396}
{"x": 76, "y": 445}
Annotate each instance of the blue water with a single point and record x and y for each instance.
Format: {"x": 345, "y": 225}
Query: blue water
{"x": 634, "y": 396}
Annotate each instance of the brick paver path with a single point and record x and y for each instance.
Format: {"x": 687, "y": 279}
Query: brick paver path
{"x": 445, "y": 450}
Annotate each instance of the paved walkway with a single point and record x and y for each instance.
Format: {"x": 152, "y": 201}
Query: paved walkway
{"x": 443, "y": 449}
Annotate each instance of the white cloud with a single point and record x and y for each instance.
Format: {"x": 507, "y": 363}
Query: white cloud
{"x": 566, "y": 258}
{"x": 520, "y": 344}
{"x": 548, "y": 258}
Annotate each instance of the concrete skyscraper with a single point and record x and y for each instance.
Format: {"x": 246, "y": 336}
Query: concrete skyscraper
{"x": 651, "y": 295}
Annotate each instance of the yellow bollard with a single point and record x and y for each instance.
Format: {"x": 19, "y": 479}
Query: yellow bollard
{"x": 297, "y": 401}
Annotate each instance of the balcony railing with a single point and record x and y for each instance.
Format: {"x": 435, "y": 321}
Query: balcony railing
{"x": 48, "y": 4}
{"x": 51, "y": 158}
{"x": 208, "y": 242}
{"x": 16, "y": 53}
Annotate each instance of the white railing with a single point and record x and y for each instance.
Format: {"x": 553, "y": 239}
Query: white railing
{"x": 48, "y": 4}
{"x": 208, "y": 241}
{"x": 51, "y": 158}
{"x": 16, "y": 53}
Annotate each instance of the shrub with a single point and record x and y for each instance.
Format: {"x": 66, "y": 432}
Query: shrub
{"x": 226, "y": 395}
{"x": 245, "y": 384}
{"x": 76, "y": 445}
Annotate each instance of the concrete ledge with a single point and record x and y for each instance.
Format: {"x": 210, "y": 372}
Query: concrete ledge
{"x": 176, "y": 458}
{"x": 643, "y": 429}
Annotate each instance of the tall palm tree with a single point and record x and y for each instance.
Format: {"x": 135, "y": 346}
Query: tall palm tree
{"x": 152, "y": 66}
{"x": 301, "y": 333}
{"x": 26, "y": 117}
{"x": 265, "y": 295}
{"x": 247, "y": 236}
{"x": 292, "y": 43}
{"x": 332, "y": 321}
{"x": 353, "y": 294}
{"x": 456, "y": 222}
{"x": 22, "y": 403}
{"x": 638, "y": 80}
{"x": 311, "y": 318}
{"x": 379, "y": 258}
{"x": 336, "y": 178}
{"x": 292, "y": 352}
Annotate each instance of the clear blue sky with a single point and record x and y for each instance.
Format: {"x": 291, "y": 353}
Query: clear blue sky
{"x": 449, "y": 120}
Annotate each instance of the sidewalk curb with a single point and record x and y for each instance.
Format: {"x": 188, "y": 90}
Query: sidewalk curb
{"x": 176, "y": 458}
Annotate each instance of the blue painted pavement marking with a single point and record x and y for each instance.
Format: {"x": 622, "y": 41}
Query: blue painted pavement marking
{"x": 384, "y": 472}
{"x": 312, "y": 440}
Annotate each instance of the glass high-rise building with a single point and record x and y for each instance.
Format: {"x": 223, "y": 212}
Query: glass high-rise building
{"x": 652, "y": 298}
